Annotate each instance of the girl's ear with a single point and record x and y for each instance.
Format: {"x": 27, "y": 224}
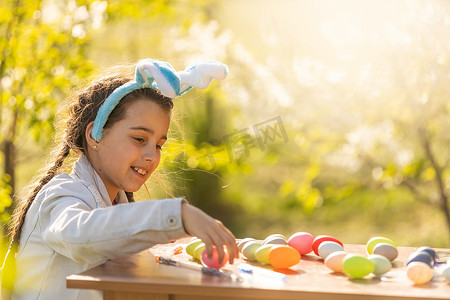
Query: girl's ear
{"x": 89, "y": 139}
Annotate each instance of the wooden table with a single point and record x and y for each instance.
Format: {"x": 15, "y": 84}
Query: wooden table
{"x": 140, "y": 277}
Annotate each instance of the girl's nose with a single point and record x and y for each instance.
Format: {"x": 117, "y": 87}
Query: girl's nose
{"x": 150, "y": 154}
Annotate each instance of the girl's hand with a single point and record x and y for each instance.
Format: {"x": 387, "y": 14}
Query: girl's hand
{"x": 209, "y": 230}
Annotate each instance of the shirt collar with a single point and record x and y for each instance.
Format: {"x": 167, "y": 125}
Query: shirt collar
{"x": 83, "y": 169}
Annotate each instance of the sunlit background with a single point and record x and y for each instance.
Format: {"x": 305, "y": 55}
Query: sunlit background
{"x": 334, "y": 118}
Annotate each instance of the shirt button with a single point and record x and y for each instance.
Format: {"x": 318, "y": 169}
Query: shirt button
{"x": 172, "y": 221}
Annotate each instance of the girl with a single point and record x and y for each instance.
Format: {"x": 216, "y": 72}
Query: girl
{"x": 72, "y": 222}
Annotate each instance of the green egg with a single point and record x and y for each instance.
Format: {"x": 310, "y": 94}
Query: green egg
{"x": 192, "y": 245}
{"x": 249, "y": 250}
{"x": 262, "y": 254}
{"x": 242, "y": 243}
{"x": 357, "y": 266}
{"x": 376, "y": 240}
{"x": 381, "y": 263}
{"x": 198, "y": 251}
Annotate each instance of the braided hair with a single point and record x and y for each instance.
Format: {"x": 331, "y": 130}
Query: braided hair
{"x": 82, "y": 109}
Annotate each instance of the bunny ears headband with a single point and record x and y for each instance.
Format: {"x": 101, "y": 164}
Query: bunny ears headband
{"x": 163, "y": 77}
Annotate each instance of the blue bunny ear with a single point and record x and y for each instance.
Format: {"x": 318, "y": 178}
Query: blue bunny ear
{"x": 143, "y": 75}
{"x": 159, "y": 75}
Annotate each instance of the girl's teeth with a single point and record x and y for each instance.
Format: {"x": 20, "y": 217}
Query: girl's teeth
{"x": 140, "y": 171}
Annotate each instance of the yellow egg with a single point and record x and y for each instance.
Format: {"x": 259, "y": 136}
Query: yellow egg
{"x": 198, "y": 251}
{"x": 376, "y": 240}
{"x": 192, "y": 245}
{"x": 262, "y": 254}
{"x": 357, "y": 266}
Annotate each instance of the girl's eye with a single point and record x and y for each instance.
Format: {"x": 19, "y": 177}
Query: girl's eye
{"x": 138, "y": 139}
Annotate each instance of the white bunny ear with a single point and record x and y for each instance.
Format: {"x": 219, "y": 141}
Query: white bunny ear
{"x": 201, "y": 74}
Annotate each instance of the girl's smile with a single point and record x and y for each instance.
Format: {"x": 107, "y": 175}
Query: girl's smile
{"x": 141, "y": 172}
{"x": 130, "y": 150}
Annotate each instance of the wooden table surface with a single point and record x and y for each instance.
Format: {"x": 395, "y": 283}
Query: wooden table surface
{"x": 140, "y": 277}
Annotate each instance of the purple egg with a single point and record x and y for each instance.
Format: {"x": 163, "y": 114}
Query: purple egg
{"x": 421, "y": 256}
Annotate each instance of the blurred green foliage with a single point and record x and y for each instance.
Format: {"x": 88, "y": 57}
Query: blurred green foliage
{"x": 41, "y": 58}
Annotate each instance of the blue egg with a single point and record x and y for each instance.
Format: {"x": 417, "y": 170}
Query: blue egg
{"x": 421, "y": 256}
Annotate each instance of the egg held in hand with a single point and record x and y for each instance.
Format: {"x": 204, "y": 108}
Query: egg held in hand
{"x": 214, "y": 262}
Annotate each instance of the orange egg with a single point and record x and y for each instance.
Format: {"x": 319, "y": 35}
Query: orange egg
{"x": 283, "y": 257}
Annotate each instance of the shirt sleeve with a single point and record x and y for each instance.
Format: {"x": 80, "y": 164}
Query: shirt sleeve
{"x": 72, "y": 227}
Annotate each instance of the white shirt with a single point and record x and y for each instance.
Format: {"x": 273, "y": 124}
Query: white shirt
{"x": 72, "y": 226}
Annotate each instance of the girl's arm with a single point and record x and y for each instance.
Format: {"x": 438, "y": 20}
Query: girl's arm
{"x": 71, "y": 224}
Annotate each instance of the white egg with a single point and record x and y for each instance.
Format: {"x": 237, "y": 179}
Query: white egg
{"x": 328, "y": 247}
{"x": 334, "y": 261}
{"x": 387, "y": 250}
{"x": 446, "y": 272}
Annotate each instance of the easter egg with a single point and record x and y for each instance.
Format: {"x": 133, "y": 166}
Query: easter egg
{"x": 376, "y": 240}
{"x": 214, "y": 262}
{"x": 430, "y": 251}
{"x": 334, "y": 261}
{"x": 262, "y": 254}
{"x": 323, "y": 238}
{"x": 381, "y": 263}
{"x": 242, "y": 243}
{"x": 328, "y": 247}
{"x": 198, "y": 251}
{"x": 272, "y": 236}
{"x": 302, "y": 241}
{"x": 357, "y": 266}
{"x": 249, "y": 250}
{"x": 419, "y": 272}
{"x": 387, "y": 250}
{"x": 446, "y": 272}
{"x": 192, "y": 245}
{"x": 283, "y": 256}
{"x": 275, "y": 241}
{"x": 421, "y": 256}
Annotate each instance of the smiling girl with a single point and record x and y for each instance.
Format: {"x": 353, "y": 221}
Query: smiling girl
{"x": 69, "y": 223}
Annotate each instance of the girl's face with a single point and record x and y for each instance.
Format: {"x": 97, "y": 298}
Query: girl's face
{"x": 130, "y": 150}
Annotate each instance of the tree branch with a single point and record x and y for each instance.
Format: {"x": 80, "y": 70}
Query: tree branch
{"x": 439, "y": 180}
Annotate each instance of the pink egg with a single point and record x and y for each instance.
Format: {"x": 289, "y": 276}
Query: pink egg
{"x": 302, "y": 241}
{"x": 214, "y": 261}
